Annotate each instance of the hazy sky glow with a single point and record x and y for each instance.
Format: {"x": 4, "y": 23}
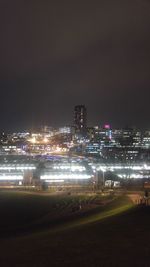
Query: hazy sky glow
{"x": 56, "y": 54}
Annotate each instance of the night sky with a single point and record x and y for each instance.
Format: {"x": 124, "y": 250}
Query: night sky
{"x": 55, "y": 54}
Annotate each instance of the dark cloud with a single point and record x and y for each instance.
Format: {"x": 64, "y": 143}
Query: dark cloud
{"x": 56, "y": 54}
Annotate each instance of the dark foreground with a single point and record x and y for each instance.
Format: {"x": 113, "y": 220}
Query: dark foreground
{"x": 115, "y": 235}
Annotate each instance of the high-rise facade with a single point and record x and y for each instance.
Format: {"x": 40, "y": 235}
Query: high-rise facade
{"x": 80, "y": 118}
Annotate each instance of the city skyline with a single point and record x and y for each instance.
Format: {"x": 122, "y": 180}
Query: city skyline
{"x": 77, "y": 121}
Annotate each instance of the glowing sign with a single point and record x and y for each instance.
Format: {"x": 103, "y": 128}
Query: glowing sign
{"x": 107, "y": 126}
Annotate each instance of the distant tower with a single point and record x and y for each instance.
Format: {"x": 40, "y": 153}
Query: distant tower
{"x": 80, "y": 118}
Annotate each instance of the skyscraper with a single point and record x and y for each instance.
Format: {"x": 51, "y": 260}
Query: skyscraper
{"x": 80, "y": 118}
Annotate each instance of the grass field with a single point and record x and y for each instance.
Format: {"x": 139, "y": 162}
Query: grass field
{"x": 25, "y": 211}
{"x": 115, "y": 234}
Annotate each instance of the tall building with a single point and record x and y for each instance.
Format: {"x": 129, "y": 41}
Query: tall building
{"x": 80, "y": 118}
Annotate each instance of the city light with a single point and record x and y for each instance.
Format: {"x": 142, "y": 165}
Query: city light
{"x": 71, "y": 168}
{"x": 32, "y": 140}
{"x": 11, "y": 167}
{"x": 11, "y": 177}
{"x": 65, "y": 176}
{"x": 45, "y": 140}
{"x": 54, "y": 181}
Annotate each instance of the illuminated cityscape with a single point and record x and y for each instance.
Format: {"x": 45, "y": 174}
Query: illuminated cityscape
{"x": 74, "y": 133}
{"x": 75, "y": 155}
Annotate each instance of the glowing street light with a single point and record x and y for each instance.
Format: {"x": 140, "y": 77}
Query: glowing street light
{"x": 32, "y": 140}
{"x": 45, "y": 140}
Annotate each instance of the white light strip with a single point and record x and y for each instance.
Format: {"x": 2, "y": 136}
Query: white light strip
{"x": 66, "y": 176}
{"x": 135, "y": 176}
{"x": 137, "y": 168}
{"x": 17, "y": 168}
{"x": 72, "y": 168}
{"x": 54, "y": 181}
{"x": 11, "y": 178}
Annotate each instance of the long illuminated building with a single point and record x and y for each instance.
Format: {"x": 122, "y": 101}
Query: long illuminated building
{"x": 11, "y": 173}
{"x": 60, "y": 171}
